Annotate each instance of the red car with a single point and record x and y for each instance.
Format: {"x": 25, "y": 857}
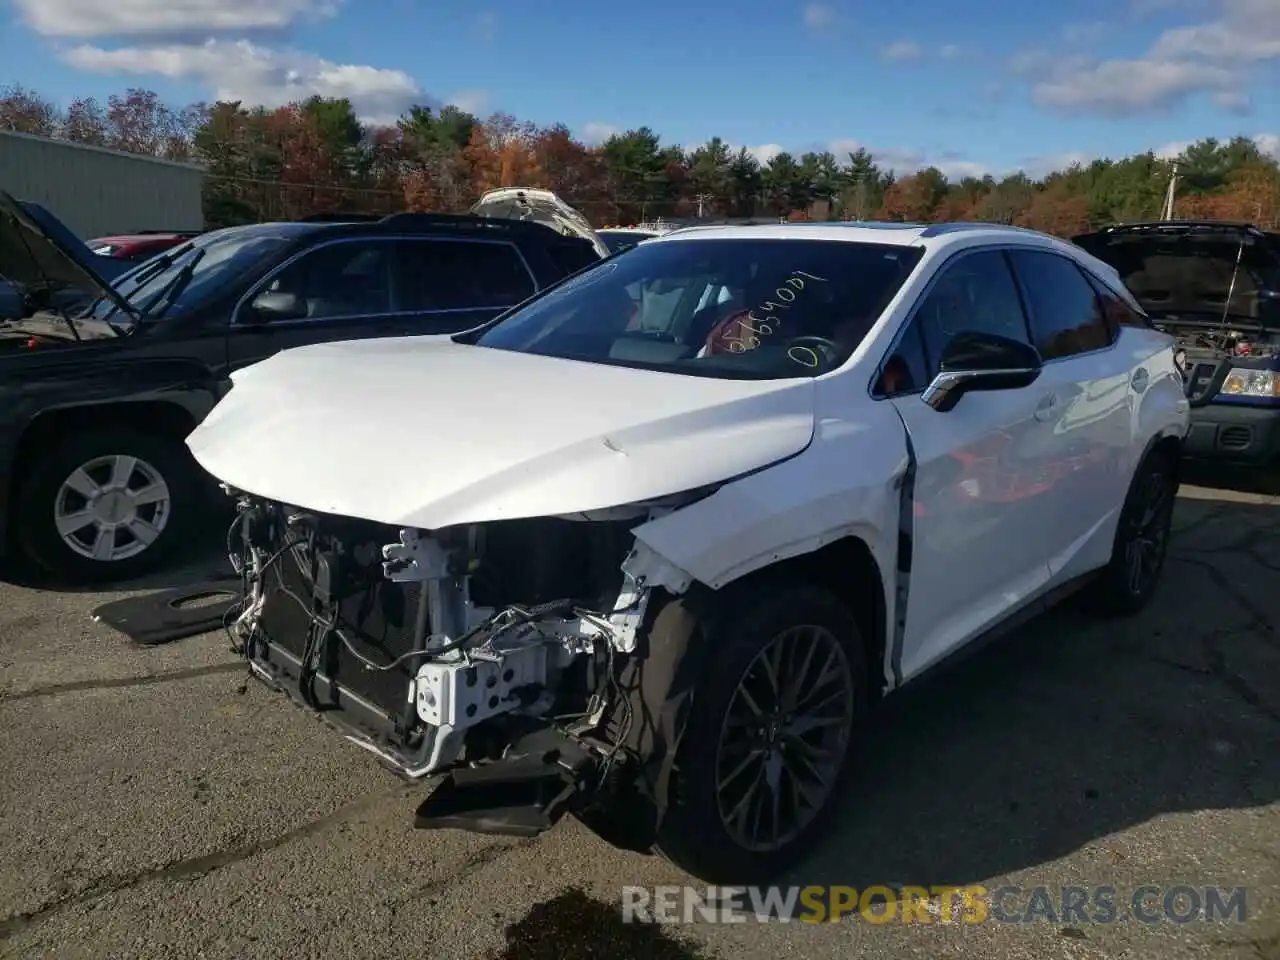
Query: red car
{"x": 139, "y": 246}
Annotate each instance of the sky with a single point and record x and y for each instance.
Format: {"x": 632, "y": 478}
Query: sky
{"x": 983, "y": 86}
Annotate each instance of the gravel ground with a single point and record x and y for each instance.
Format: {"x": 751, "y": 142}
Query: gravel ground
{"x": 157, "y": 804}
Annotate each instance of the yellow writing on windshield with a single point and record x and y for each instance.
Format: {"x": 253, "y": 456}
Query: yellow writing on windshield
{"x": 752, "y": 327}
{"x": 805, "y": 356}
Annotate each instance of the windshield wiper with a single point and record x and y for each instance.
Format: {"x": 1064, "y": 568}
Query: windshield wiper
{"x": 173, "y": 289}
{"x": 142, "y": 276}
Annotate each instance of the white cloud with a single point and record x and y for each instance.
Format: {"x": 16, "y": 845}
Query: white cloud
{"x": 1212, "y": 56}
{"x": 472, "y": 101}
{"x": 1248, "y": 30}
{"x": 1234, "y": 101}
{"x": 261, "y": 75}
{"x": 1172, "y": 150}
{"x": 818, "y": 15}
{"x": 951, "y": 51}
{"x": 84, "y": 19}
{"x": 1126, "y": 87}
{"x": 1046, "y": 163}
{"x": 902, "y": 50}
{"x": 764, "y": 152}
{"x": 597, "y": 132}
{"x": 1269, "y": 143}
{"x": 903, "y": 161}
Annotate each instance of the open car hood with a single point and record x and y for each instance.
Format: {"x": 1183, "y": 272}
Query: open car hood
{"x": 39, "y": 253}
{"x": 1183, "y": 270}
{"x": 539, "y": 206}
{"x": 423, "y": 432}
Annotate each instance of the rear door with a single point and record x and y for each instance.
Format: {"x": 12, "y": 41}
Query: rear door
{"x": 345, "y": 287}
{"x": 1088, "y": 384}
{"x": 978, "y": 550}
{"x": 446, "y": 284}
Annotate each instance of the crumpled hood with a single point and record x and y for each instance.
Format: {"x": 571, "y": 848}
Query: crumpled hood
{"x": 423, "y": 432}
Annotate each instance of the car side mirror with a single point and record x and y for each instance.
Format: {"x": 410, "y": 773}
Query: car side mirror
{"x": 272, "y": 305}
{"x": 981, "y": 361}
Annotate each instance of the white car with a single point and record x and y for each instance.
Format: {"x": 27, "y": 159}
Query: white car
{"x": 656, "y": 573}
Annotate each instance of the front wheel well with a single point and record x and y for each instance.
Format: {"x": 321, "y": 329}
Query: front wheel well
{"x": 847, "y": 568}
{"x": 152, "y": 416}
{"x": 1170, "y": 447}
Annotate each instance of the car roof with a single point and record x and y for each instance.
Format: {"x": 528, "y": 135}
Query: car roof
{"x": 425, "y": 224}
{"x": 935, "y": 238}
{"x": 931, "y": 235}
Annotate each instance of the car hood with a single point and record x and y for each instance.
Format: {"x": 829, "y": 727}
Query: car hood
{"x": 427, "y": 433}
{"x": 39, "y": 253}
{"x": 539, "y": 206}
{"x": 1184, "y": 270}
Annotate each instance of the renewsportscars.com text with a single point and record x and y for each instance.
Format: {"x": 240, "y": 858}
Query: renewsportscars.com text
{"x": 972, "y": 904}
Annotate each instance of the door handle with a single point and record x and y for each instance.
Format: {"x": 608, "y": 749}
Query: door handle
{"x": 1140, "y": 378}
{"x": 1046, "y": 407}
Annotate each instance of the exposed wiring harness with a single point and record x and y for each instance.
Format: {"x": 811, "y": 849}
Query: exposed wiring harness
{"x": 254, "y": 571}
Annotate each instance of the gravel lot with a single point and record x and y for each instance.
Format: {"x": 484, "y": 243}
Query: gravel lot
{"x": 156, "y": 804}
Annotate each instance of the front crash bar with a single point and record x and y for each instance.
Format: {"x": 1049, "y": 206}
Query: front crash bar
{"x": 521, "y": 795}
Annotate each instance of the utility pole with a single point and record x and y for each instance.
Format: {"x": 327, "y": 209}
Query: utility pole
{"x": 703, "y": 198}
{"x": 1173, "y": 189}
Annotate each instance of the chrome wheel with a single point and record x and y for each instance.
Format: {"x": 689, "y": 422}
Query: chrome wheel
{"x": 1147, "y": 531}
{"x": 112, "y": 508}
{"x": 784, "y": 738}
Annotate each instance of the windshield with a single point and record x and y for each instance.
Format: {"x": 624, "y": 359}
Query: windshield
{"x": 180, "y": 277}
{"x": 731, "y": 308}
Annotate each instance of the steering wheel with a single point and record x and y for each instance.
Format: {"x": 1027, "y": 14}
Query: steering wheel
{"x": 814, "y": 352}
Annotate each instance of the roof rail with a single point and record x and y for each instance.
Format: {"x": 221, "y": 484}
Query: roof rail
{"x": 961, "y": 226}
{"x": 335, "y": 216}
{"x": 468, "y": 221}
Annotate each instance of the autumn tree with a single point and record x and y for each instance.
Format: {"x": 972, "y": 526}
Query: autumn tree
{"x": 85, "y": 122}
{"x": 24, "y": 111}
{"x": 317, "y": 154}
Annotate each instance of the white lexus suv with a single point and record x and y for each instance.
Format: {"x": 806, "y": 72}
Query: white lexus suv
{"x": 647, "y": 548}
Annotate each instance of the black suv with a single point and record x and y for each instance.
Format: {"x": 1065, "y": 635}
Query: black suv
{"x": 95, "y": 479}
{"x": 1215, "y": 287}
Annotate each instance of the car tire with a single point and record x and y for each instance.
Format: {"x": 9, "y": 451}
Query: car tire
{"x": 1125, "y": 586}
{"x": 160, "y": 493}
{"x": 784, "y": 630}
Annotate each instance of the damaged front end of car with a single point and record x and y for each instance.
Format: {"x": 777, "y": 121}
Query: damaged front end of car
{"x": 495, "y": 653}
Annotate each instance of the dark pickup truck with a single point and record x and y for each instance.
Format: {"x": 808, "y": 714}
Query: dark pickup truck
{"x": 96, "y": 482}
{"x": 1215, "y": 287}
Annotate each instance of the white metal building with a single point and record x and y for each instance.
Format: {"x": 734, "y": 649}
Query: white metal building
{"x": 97, "y": 192}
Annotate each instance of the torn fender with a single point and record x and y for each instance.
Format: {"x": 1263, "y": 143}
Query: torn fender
{"x": 845, "y": 483}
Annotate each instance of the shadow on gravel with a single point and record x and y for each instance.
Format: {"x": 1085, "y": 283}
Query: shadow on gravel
{"x": 575, "y": 926}
{"x": 1071, "y": 729}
